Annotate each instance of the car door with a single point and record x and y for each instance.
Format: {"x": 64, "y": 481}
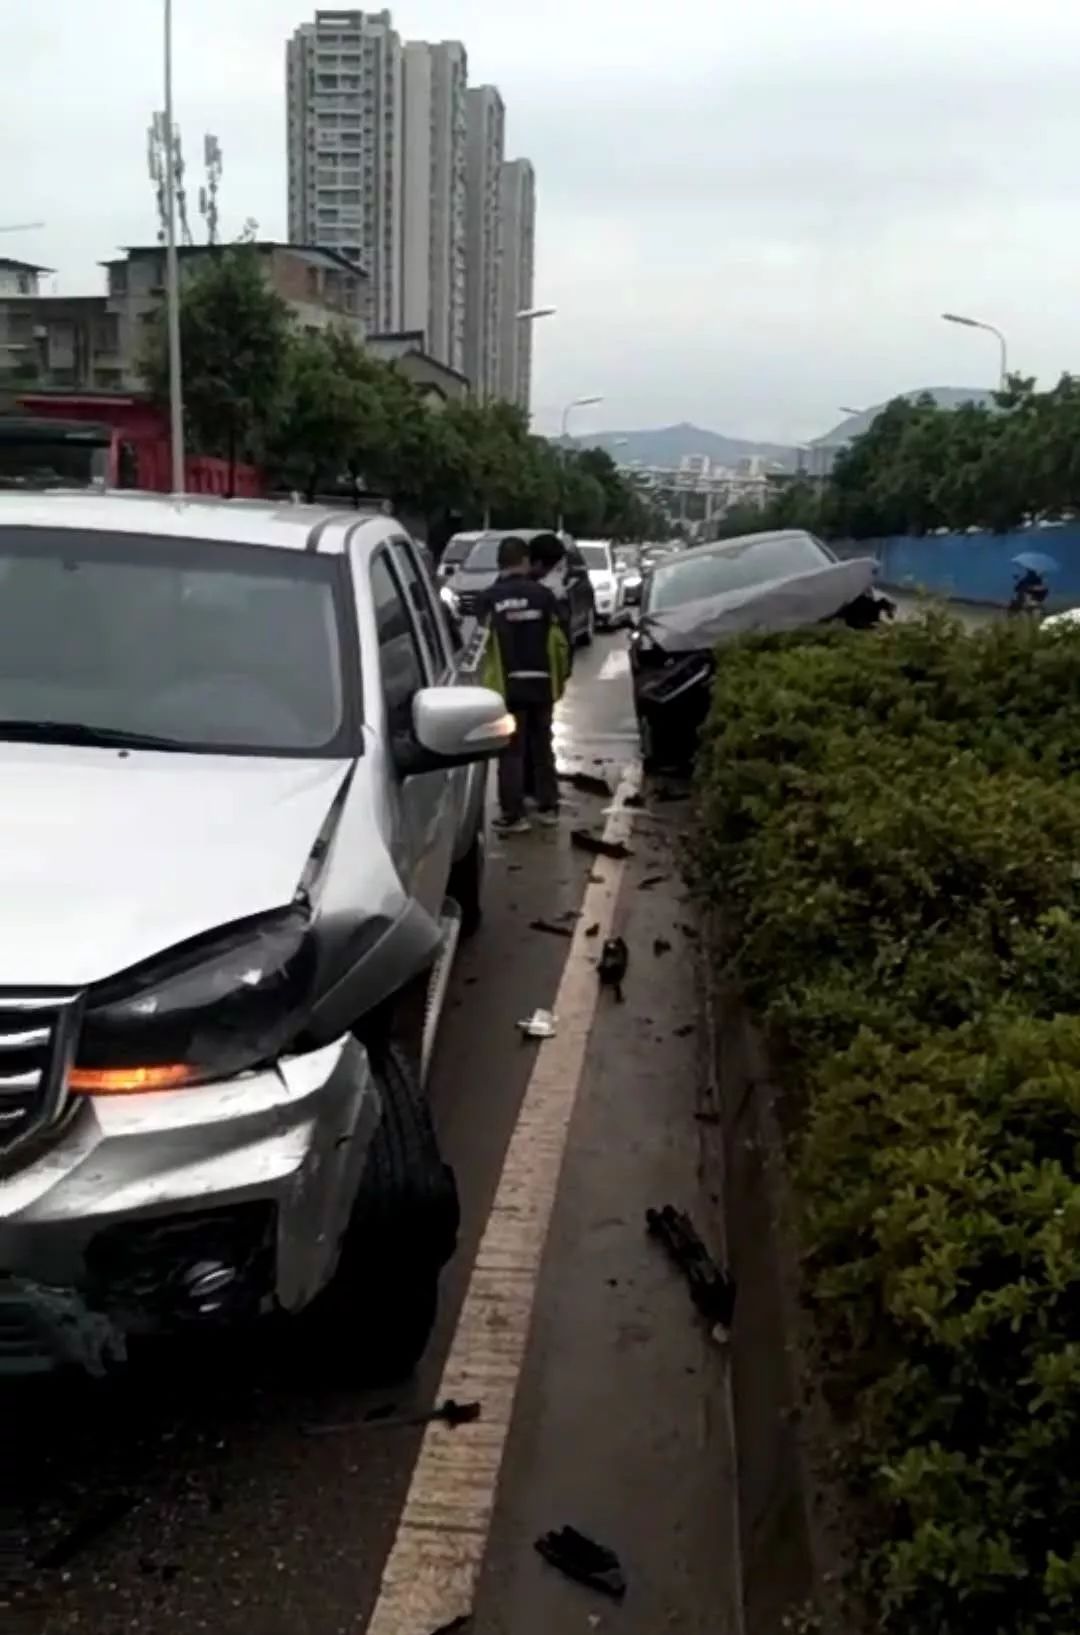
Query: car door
{"x": 412, "y": 656}
{"x": 578, "y": 589}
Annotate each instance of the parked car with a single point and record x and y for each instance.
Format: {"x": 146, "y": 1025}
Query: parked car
{"x": 693, "y": 601}
{"x": 628, "y": 561}
{"x": 243, "y": 822}
{"x": 569, "y": 581}
{"x": 457, "y": 549}
{"x": 606, "y": 579}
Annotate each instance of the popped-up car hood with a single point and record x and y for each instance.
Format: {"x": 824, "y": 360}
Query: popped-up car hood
{"x": 107, "y": 860}
{"x": 779, "y": 604}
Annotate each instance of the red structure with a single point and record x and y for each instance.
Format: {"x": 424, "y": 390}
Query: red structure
{"x": 135, "y": 435}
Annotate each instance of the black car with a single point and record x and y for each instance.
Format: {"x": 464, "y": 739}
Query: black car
{"x": 693, "y": 601}
{"x": 569, "y": 579}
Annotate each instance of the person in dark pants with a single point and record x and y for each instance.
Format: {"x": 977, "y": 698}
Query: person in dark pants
{"x": 527, "y": 661}
{"x": 546, "y": 551}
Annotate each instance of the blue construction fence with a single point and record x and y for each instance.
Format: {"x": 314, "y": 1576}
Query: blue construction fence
{"x": 977, "y": 567}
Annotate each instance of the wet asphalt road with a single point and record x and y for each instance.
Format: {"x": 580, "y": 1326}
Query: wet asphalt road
{"x": 197, "y": 1492}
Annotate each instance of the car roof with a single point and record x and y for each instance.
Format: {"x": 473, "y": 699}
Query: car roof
{"x": 277, "y": 523}
{"x": 718, "y": 547}
{"x": 514, "y": 533}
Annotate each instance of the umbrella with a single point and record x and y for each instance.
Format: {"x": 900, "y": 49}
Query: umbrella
{"x": 1036, "y": 562}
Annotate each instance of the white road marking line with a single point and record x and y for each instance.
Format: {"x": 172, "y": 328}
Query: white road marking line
{"x": 615, "y": 665}
{"x": 434, "y": 1565}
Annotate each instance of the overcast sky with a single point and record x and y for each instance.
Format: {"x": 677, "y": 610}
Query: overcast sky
{"x": 749, "y": 213}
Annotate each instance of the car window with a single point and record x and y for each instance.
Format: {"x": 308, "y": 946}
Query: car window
{"x": 401, "y": 662}
{"x": 737, "y": 567}
{"x": 417, "y": 584}
{"x": 596, "y": 557}
{"x": 207, "y": 647}
{"x": 483, "y": 557}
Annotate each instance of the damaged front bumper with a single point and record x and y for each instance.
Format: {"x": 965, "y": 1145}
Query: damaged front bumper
{"x": 154, "y": 1211}
{"x": 671, "y": 695}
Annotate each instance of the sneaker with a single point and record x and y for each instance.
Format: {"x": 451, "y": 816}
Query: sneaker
{"x": 512, "y": 826}
{"x": 548, "y": 819}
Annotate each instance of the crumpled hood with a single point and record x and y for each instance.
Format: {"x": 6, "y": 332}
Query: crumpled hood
{"x": 781, "y": 604}
{"x": 109, "y": 859}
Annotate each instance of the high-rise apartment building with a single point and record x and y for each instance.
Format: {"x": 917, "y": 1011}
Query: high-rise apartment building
{"x": 434, "y": 197}
{"x": 486, "y": 136}
{"x": 517, "y": 196}
{"x": 346, "y": 145}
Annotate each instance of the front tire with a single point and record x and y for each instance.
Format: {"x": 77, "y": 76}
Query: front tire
{"x": 378, "y": 1312}
{"x": 586, "y": 637}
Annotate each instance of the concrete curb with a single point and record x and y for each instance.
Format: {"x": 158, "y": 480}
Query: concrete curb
{"x": 790, "y": 1519}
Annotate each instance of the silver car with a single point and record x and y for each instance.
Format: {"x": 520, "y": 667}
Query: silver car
{"x": 242, "y": 827}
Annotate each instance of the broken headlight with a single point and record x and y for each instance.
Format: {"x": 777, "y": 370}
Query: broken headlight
{"x": 209, "y": 1010}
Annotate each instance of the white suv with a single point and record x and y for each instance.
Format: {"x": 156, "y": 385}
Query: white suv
{"x": 606, "y": 577}
{"x": 243, "y": 820}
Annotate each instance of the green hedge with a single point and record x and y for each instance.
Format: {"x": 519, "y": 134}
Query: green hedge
{"x": 889, "y": 827}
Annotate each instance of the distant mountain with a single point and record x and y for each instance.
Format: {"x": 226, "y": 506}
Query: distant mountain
{"x": 946, "y": 397}
{"x": 667, "y": 445}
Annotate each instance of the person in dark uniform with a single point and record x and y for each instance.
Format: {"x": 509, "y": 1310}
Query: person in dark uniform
{"x": 527, "y": 661}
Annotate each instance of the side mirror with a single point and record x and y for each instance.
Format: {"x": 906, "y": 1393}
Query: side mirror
{"x": 455, "y": 725}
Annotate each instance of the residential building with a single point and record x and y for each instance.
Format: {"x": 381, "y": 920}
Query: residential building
{"x": 18, "y": 280}
{"x": 486, "y": 129}
{"x": 436, "y": 382}
{"x": 517, "y": 195}
{"x": 95, "y": 342}
{"x": 433, "y": 197}
{"x": 345, "y": 146}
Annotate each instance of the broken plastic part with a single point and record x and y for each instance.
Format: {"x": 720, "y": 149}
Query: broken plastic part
{"x": 586, "y": 1562}
{"x": 540, "y": 1025}
{"x": 552, "y": 930}
{"x": 586, "y": 841}
{"x": 711, "y": 1289}
{"x": 613, "y": 965}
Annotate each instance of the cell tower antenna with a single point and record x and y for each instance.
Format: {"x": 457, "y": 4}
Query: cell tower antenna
{"x": 155, "y": 161}
{"x": 208, "y": 195}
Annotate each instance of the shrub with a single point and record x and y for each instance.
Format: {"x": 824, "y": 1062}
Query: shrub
{"x": 889, "y": 826}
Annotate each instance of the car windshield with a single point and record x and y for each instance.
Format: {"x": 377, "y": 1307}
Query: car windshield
{"x": 738, "y": 567}
{"x": 597, "y": 557}
{"x": 188, "y": 644}
{"x": 484, "y": 556}
{"x": 457, "y": 550}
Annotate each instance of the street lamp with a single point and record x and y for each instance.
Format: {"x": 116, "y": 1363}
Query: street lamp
{"x": 977, "y": 323}
{"x": 530, "y": 314}
{"x": 21, "y": 227}
{"x": 578, "y": 403}
{"x": 172, "y": 275}
{"x": 845, "y": 410}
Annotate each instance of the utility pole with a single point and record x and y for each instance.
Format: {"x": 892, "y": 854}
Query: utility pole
{"x": 172, "y": 275}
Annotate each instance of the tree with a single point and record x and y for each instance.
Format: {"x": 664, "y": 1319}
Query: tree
{"x": 320, "y": 422}
{"x": 234, "y": 333}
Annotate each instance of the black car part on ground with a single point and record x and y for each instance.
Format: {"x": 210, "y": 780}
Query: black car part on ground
{"x": 674, "y": 650}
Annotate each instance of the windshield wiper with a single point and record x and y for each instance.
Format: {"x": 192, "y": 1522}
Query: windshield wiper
{"x": 81, "y": 732}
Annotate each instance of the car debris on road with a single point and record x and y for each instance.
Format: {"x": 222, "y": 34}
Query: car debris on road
{"x": 579, "y": 1557}
{"x": 551, "y": 929}
{"x": 540, "y": 1025}
{"x": 586, "y": 841}
{"x": 449, "y": 1413}
{"x": 613, "y": 965}
{"x": 711, "y": 1289}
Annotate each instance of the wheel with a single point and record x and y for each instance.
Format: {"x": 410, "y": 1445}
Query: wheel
{"x": 379, "y": 1310}
{"x": 585, "y": 639}
{"x": 466, "y": 885}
